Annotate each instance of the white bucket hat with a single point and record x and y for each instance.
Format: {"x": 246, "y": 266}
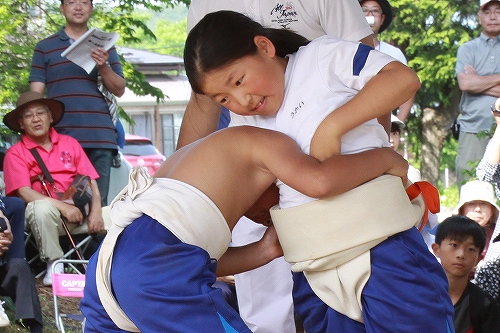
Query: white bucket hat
{"x": 395, "y": 120}
{"x": 483, "y": 3}
{"x": 477, "y": 190}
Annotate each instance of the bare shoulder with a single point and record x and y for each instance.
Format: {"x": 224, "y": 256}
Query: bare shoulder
{"x": 239, "y": 145}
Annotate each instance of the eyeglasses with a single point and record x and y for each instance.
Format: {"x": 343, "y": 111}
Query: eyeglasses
{"x": 72, "y": 4}
{"x": 374, "y": 12}
{"x": 476, "y": 203}
{"x": 488, "y": 12}
{"x": 31, "y": 115}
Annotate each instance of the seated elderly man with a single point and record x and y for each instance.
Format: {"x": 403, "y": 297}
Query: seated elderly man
{"x": 64, "y": 158}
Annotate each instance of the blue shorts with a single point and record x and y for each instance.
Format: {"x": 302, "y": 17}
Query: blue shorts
{"x": 162, "y": 285}
{"x": 407, "y": 292}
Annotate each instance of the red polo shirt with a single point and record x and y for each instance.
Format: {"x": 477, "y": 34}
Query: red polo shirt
{"x": 64, "y": 160}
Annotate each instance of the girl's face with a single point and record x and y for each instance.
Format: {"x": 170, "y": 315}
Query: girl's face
{"x": 252, "y": 85}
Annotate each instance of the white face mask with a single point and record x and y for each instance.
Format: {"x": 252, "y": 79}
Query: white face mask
{"x": 370, "y": 19}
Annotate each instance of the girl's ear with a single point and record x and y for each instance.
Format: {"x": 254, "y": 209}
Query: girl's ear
{"x": 264, "y": 44}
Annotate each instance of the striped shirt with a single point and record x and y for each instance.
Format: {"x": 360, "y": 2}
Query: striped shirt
{"x": 87, "y": 117}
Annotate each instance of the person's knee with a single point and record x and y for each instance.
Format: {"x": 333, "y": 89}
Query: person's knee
{"x": 14, "y": 204}
{"x": 19, "y": 266}
{"x": 42, "y": 217}
{"x": 41, "y": 210}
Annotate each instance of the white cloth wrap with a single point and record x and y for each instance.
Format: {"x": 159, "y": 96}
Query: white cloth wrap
{"x": 329, "y": 239}
{"x": 184, "y": 210}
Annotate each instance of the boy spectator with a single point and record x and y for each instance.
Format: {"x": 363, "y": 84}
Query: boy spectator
{"x": 459, "y": 243}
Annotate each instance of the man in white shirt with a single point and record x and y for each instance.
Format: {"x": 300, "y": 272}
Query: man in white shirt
{"x": 379, "y": 15}
{"x": 265, "y": 294}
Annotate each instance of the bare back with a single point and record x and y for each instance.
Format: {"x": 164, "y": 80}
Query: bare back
{"x": 232, "y": 166}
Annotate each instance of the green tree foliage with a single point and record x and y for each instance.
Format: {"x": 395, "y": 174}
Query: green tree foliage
{"x": 170, "y": 38}
{"x": 170, "y": 30}
{"x": 24, "y": 23}
{"x": 429, "y": 33}
{"x": 17, "y": 40}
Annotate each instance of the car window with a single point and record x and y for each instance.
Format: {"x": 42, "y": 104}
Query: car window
{"x": 139, "y": 149}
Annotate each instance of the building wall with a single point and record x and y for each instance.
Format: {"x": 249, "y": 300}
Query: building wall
{"x": 158, "y": 121}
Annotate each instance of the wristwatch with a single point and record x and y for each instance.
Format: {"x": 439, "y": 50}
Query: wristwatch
{"x": 493, "y": 109}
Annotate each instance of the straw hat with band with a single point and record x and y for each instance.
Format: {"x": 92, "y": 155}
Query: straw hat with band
{"x": 477, "y": 190}
{"x": 11, "y": 119}
{"x": 386, "y": 10}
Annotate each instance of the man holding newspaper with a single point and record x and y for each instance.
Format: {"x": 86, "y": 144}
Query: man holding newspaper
{"x": 87, "y": 116}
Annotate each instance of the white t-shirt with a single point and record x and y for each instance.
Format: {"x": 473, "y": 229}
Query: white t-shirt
{"x": 310, "y": 18}
{"x": 393, "y": 51}
{"x": 264, "y": 294}
{"x": 320, "y": 78}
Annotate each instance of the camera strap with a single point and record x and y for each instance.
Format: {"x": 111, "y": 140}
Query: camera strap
{"x": 45, "y": 171}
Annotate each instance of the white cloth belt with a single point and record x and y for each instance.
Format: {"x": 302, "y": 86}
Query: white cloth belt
{"x": 184, "y": 210}
{"x": 329, "y": 240}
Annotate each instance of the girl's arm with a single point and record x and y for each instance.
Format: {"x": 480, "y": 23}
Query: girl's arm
{"x": 332, "y": 176}
{"x": 391, "y": 87}
{"x": 342, "y": 173}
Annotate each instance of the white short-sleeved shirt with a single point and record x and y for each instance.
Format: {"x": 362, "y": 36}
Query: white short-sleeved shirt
{"x": 393, "y": 51}
{"x": 309, "y": 18}
{"x": 319, "y": 78}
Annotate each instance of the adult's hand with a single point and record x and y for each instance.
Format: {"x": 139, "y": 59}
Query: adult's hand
{"x": 5, "y": 239}
{"x": 70, "y": 213}
{"x": 100, "y": 56}
{"x": 95, "y": 222}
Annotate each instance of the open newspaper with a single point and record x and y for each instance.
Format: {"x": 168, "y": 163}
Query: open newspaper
{"x": 79, "y": 51}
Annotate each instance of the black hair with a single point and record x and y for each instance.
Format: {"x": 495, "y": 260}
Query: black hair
{"x": 62, "y": 2}
{"x": 395, "y": 128}
{"x": 459, "y": 227}
{"x": 222, "y": 37}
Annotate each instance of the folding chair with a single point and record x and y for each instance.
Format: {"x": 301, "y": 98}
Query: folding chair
{"x": 68, "y": 284}
{"x": 32, "y": 255}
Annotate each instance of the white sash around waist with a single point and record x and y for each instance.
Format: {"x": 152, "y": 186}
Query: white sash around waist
{"x": 187, "y": 212}
{"x": 329, "y": 239}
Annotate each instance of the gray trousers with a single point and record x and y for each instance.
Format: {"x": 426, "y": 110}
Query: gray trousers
{"x": 470, "y": 151}
{"x": 17, "y": 282}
